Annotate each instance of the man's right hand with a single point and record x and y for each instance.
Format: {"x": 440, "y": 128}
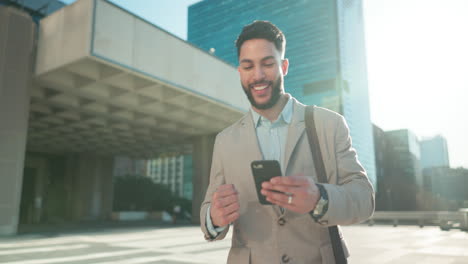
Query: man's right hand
{"x": 224, "y": 205}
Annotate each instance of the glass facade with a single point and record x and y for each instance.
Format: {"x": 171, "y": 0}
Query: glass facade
{"x": 38, "y": 9}
{"x": 173, "y": 171}
{"x": 407, "y": 154}
{"x": 325, "y": 47}
{"x": 403, "y": 170}
{"x": 434, "y": 152}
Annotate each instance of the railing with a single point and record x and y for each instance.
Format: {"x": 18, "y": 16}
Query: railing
{"x": 446, "y": 220}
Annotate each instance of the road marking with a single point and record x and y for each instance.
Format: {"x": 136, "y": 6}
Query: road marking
{"x": 41, "y": 249}
{"x": 39, "y": 242}
{"x": 75, "y": 258}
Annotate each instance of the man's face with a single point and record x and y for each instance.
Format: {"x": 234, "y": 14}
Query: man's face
{"x": 261, "y": 72}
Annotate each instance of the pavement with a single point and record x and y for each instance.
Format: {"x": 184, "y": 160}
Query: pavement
{"x": 184, "y": 244}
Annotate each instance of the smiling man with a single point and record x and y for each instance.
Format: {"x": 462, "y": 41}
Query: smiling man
{"x": 294, "y": 228}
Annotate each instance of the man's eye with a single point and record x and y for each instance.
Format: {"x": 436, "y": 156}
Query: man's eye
{"x": 269, "y": 64}
{"x": 247, "y": 67}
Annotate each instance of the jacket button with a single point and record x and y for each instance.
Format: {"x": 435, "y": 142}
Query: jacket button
{"x": 285, "y": 258}
{"x": 281, "y": 221}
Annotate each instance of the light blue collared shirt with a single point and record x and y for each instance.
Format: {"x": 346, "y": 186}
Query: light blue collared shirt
{"x": 271, "y": 138}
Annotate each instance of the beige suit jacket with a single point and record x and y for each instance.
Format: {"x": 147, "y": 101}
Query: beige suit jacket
{"x": 259, "y": 236}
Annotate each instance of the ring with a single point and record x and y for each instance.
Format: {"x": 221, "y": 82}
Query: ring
{"x": 289, "y": 199}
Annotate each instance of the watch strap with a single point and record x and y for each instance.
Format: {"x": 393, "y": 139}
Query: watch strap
{"x": 323, "y": 198}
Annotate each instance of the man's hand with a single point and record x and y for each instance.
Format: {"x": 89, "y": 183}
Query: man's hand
{"x": 302, "y": 189}
{"x": 224, "y": 205}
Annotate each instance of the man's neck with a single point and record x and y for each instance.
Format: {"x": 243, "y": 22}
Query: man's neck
{"x": 273, "y": 112}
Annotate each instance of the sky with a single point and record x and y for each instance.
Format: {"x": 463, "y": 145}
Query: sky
{"x": 417, "y": 59}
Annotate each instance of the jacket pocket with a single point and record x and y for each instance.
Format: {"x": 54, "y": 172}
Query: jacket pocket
{"x": 327, "y": 254}
{"x": 239, "y": 255}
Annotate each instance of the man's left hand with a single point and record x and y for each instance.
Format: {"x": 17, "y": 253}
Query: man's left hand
{"x": 302, "y": 189}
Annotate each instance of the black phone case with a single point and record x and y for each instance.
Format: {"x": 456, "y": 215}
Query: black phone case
{"x": 264, "y": 170}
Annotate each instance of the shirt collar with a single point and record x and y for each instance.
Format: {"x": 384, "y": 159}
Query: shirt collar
{"x": 285, "y": 115}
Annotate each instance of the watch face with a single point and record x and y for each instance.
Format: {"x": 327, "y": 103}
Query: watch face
{"x": 319, "y": 206}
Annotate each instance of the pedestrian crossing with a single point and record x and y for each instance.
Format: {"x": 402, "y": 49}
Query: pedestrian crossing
{"x": 185, "y": 245}
{"x": 180, "y": 245}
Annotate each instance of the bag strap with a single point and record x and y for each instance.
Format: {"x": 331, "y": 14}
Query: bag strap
{"x": 314, "y": 143}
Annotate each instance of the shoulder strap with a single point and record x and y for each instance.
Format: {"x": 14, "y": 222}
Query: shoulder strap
{"x": 314, "y": 143}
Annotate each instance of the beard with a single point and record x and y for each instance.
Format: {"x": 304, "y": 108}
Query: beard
{"x": 274, "y": 97}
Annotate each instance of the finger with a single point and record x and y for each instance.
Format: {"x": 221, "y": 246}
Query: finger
{"x": 284, "y": 205}
{"x": 225, "y": 201}
{"x": 232, "y": 208}
{"x": 232, "y": 217}
{"x": 275, "y": 195}
{"x": 223, "y": 220}
{"x": 292, "y": 180}
{"x": 281, "y": 188}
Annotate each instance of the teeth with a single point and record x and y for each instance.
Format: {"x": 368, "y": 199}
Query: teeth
{"x": 258, "y": 88}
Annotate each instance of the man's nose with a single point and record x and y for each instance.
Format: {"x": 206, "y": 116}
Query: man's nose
{"x": 259, "y": 74}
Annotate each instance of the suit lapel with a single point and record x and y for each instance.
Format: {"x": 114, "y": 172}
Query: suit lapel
{"x": 248, "y": 133}
{"x": 295, "y": 131}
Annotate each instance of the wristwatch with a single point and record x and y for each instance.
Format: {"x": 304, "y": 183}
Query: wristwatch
{"x": 322, "y": 205}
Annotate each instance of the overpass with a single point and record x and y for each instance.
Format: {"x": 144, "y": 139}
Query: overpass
{"x": 104, "y": 82}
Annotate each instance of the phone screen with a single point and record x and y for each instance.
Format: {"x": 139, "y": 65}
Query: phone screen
{"x": 264, "y": 170}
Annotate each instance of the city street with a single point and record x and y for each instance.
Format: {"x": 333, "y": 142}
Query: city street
{"x": 185, "y": 244}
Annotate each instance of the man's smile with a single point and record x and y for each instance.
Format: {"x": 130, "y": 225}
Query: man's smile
{"x": 260, "y": 88}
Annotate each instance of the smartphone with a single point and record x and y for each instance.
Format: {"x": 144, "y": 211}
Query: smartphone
{"x": 264, "y": 170}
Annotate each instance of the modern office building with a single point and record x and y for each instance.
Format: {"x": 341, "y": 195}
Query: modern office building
{"x": 382, "y": 199}
{"x": 127, "y": 166}
{"x": 325, "y": 48}
{"x": 434, "y": 152}
{"x": 402, "y": 166}
{"x": 37, "y": 9}
{"x": 90, "y": 82}
{"x": 174, "y": 171}
{"x": 448, "y": 185}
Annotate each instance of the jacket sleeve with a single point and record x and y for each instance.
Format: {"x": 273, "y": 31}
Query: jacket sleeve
{"x": 216, "y": 179}
{"x": 352, "y": 198}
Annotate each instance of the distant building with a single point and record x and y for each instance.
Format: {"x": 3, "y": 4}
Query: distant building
{"x": 380, "y": 149}
{"x": 403, "y": 175}
{"x": 449, "y": 185}
{"x": 126, "y": 166}
{"x": 174, "y": 172}
{"x": 434, "y": 152}
{"x": 38, "y": 9}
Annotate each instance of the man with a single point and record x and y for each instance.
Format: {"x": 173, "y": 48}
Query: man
{"x": 294, "y": 228}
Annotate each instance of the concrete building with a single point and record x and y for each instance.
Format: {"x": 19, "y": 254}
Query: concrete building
{"x": 91, "y": 82}
{"x": 434, "y": 152}
{"x": 325, "y": 48}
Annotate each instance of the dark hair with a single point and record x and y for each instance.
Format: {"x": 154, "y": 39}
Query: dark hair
{"x": 260, "y": 29}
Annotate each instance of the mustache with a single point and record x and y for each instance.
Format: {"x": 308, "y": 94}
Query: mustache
{"x": 264, "y": 82}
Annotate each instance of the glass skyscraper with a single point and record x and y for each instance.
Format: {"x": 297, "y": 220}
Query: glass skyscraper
{"x": 434, "y": 152}
{"x": 325, "y": 47}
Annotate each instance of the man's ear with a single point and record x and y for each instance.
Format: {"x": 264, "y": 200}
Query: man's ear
{"x": 285, "y": 66}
